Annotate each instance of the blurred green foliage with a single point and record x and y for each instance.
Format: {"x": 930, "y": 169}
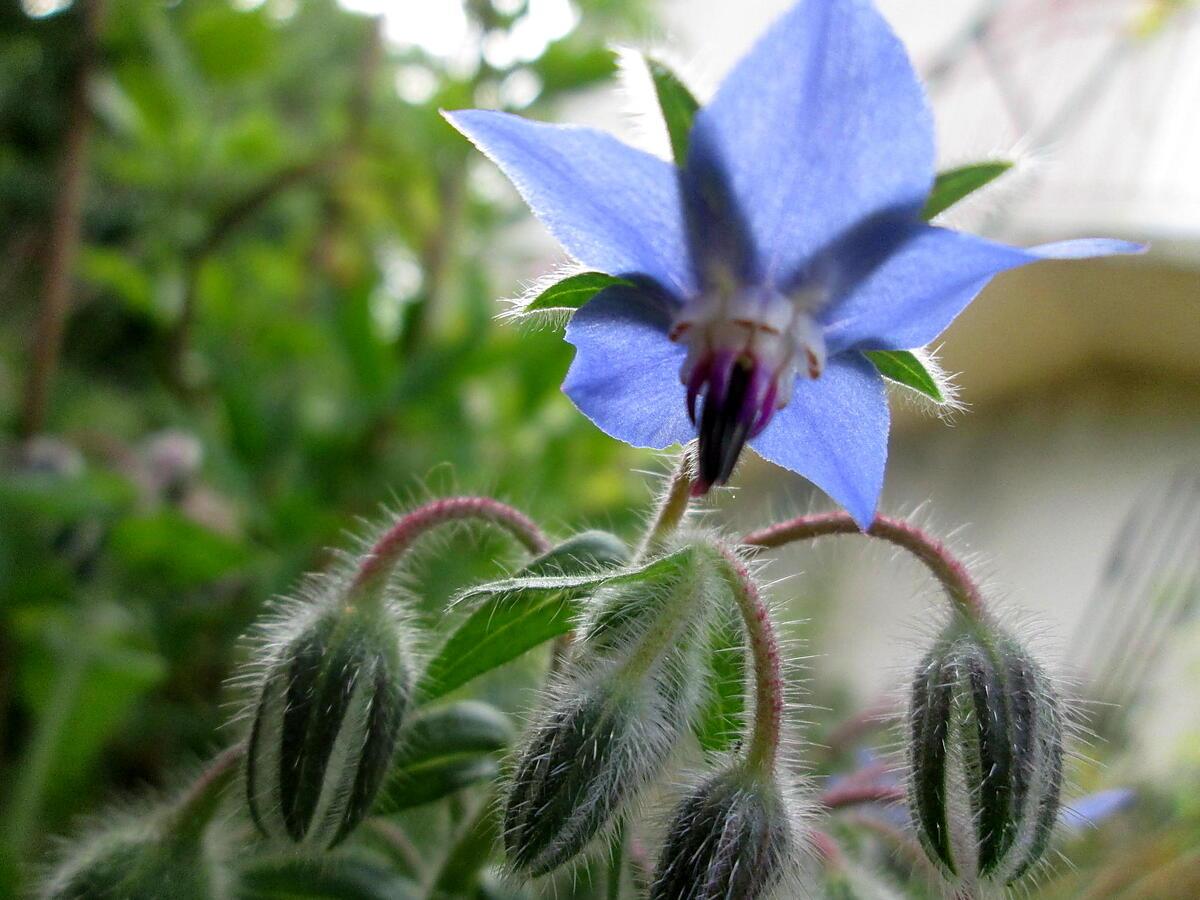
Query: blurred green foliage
{"x": 282, "y": 317}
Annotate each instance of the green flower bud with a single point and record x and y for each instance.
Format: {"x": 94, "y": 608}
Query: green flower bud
{"x": 326, "y": 721}
{"x": 985, "y": 753}
{"x": 137, "y": 861}
{"x": 585, "y": 759}
{"x": 731, "y": 837}
{"x": 624, "y": 699}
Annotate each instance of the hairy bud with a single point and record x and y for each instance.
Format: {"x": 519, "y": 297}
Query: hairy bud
{"x": 985, "y": 752}
{"x": 621, "y": 705}
{"x": 330, "y": 703}
{"x": 585, "y": 758}
{"x": 135, "y": 861}
{"x": 731, "y": 837}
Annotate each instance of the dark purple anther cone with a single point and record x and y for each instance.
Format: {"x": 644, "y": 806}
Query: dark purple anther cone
{"x": 739, "y": 400}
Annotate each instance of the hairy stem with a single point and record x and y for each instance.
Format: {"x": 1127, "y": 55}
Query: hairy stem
{"x": 396, "y": 541}
{"x": 827, "y": 850}
{"x": 937, "y": 558}
{"x": 194, "y": 809}
{"x": 768, "y": 666}
{"x": 672, "y": 507}
{"x": 842, "y": 795}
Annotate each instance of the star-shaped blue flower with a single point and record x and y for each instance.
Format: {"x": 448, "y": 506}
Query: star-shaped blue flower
{"x": 789, "y": 243}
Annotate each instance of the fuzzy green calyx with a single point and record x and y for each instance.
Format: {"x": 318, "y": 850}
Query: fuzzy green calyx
{"x": 986, "y": 754}
{"x": 326, "y": 722}
{"x": 621, "y": 704}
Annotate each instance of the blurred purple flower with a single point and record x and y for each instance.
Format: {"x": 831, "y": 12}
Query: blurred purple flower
{"x": 1092, "y": 809}
{"x": 790, "y": 242}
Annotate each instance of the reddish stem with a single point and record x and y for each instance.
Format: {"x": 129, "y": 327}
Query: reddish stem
{"x": 853, "y": 794}
{"x": 379, "y": 560}
{"x": 827, "y": 849}
{"x": 672, "y": 506}
{"x": 768, "y": 667}
{"x": 944, "y": 566}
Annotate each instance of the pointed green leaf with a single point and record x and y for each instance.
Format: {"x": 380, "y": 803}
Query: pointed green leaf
{"x": 444, "y": 750}
{"x": 583, "y": 553}
{"x": 350, "y": 876}
{"x": 678, "y": 106}
{"x": 572, "y": 292}
{"x": 722, "y": 718}
{"x": 954, "y": 184}
{"x": 906, "y": 368}
{"x": 516, "y": 614}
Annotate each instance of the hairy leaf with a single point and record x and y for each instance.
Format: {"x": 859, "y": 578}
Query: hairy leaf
{"x": 517, "y": 614}
{"x": 678, "y": 106}
{"x": 572, "y": 292}
{"x": 906, "y": 368}
{"x": 954, "y": 184}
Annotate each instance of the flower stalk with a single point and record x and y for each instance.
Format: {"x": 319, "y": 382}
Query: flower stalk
{"x": 193, "y": 810}
{"x": 377, "y": 563}
{"x": 763, "y": 750}
{"x": 673, "y": 506}
{"x": 948, "y": 569}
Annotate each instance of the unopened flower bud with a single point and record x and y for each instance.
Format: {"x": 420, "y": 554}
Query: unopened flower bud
{"x": 326, "y": 721}
{"x": 623, "y": 702}
{"x": 137, "y": 860}
{"x": 584, "y": 759}
{"x": 985, "y": 752}
{"x": 731, "y": 837}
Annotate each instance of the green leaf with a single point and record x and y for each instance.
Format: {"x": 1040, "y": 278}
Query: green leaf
{"x": 469, "y": 726}
{"x": 583, "y": 553}
{"x": 572, "y": 63}
{"x": 444, "y": 750}
{"x": 346, "y": 876}
{"x": 954, "y": 184}
{"x": 678, "y": 106}
{"x": 722, "y": 718}
{"x": 229, "y": 44}
{"x": 906, "y": 368}
{"x": 436, "y": 780}
{"x": 572, "y": 292}
{"x": 517, "y": 614}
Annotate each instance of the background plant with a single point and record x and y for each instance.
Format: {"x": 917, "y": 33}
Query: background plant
{"x": 283, "y": 300}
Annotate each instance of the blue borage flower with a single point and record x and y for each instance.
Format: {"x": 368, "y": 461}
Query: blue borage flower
{"x": 789, "y": 243}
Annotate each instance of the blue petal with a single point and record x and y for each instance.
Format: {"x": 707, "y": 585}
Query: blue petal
{"x": 1092, "y": 809}
{"x": 612, "y": 207}
{"x": 834, "y": 432}
{"x": 625, "y": 376}
{"x": 909, "y": 299}
{"x": 821, "y": 126}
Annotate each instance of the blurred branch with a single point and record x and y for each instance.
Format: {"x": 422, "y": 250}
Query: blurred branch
{"x": 334, "y": 213}
{"x": 226, "y": 224}
{"x": 66, "y": 225}
{"x": 436, "y": 256}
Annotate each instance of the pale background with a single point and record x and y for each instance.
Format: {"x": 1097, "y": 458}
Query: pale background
{"x": 1082, "y": 380}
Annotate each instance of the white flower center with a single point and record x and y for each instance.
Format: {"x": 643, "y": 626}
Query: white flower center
{"x": 762, "y": 329}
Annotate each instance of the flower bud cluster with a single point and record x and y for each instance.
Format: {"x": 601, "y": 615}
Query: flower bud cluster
{"x": 985, "y": 749}
{"x": 329, "y": 702}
